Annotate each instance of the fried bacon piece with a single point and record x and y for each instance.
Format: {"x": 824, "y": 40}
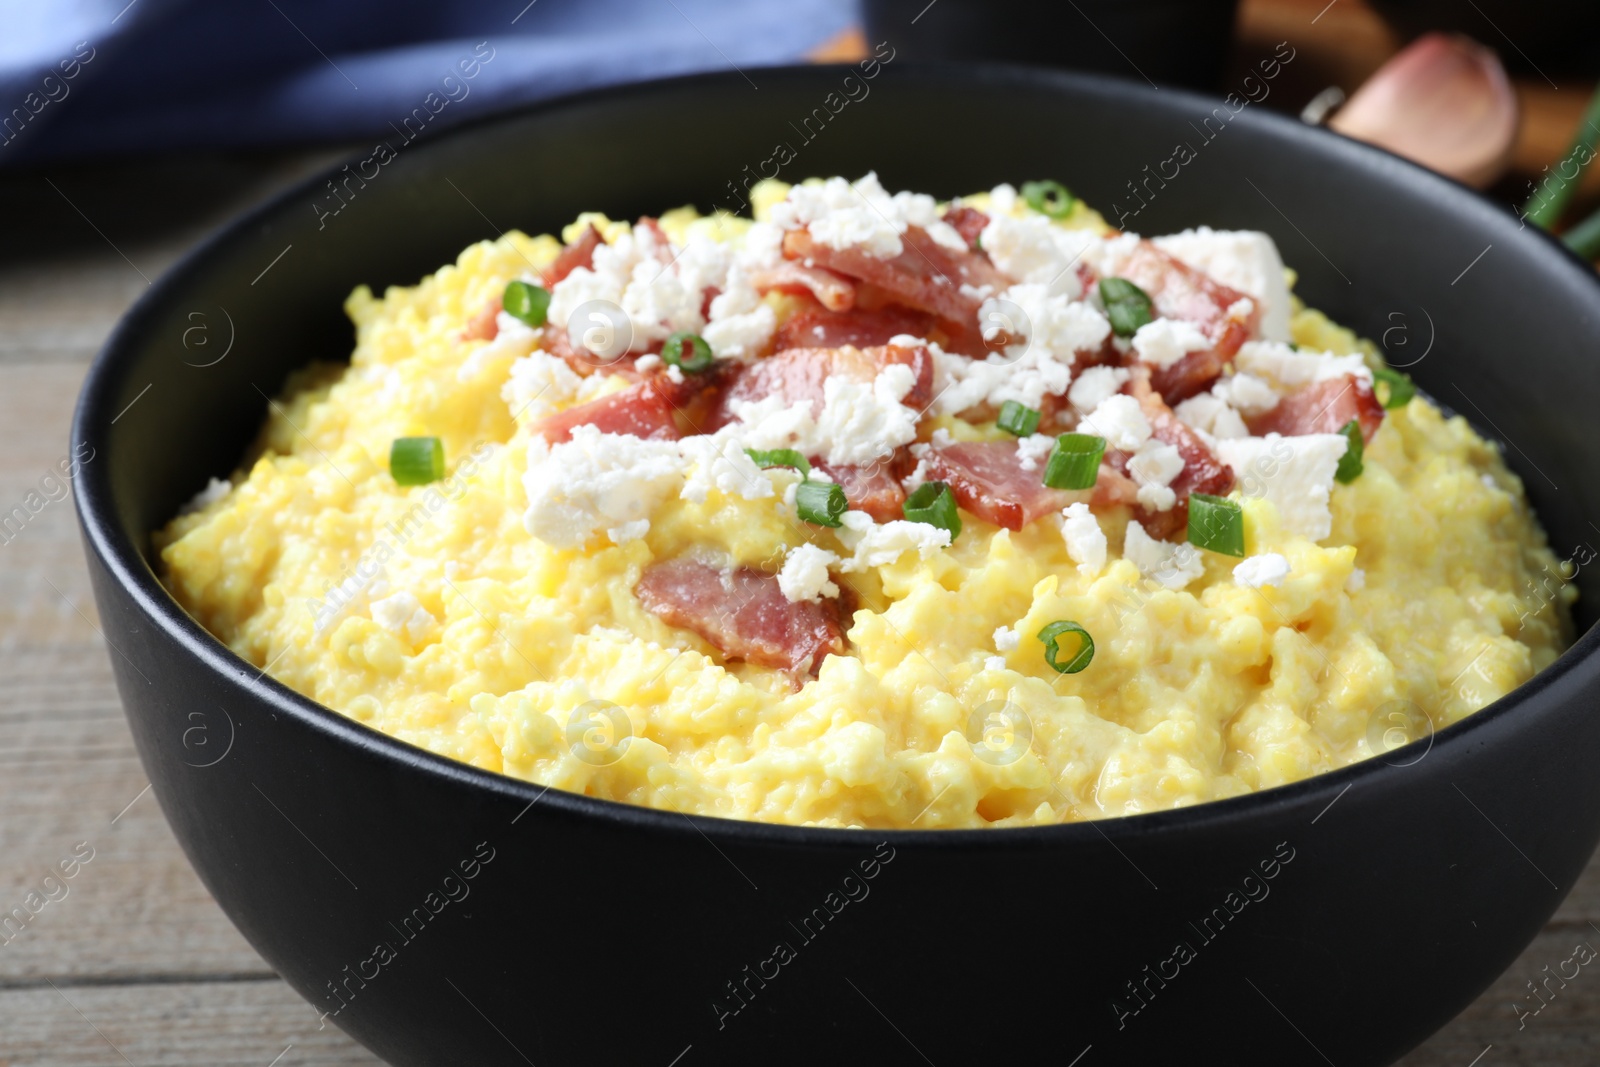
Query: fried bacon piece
{"x": 925, "y": 276}
{"x": 655, "y": 408}
{"x": 485, "y": 325}
{"x": 580, "y": 253}
{"x": 832, "y": 290}
{"x": 1178, "y": 291}
{"x": 969, "y": 222}
{"x": 988, "y": 480}
{"x": 1202, "y": 471}
{"x": 1323, "y": 407}
{"x": 644, "y": 410}
{"x": 799, "y": 373}
{"x": 857, "y": 327}
{"x": 872, "y": 488}
{"x": 744, "y": 613}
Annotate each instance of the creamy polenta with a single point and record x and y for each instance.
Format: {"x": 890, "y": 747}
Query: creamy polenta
{"x": 633, "y": 417}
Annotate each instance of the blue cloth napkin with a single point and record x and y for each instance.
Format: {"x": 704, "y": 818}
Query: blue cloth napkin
{"x": 82, "y": 78}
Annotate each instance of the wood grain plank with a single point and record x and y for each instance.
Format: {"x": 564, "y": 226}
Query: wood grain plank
{"x": 1559, "y": 1030}
{"x": 202, "y": 1024}
{"x": 62, "y": 309}
{"x": 67, "y": 765}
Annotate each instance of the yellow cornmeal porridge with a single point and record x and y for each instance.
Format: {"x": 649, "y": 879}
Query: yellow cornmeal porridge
{"x": 432, "y": 613}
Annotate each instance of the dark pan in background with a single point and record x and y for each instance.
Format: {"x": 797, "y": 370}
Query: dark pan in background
{"x": 1542, "y": 37}
{"x": 1169, "y": 42}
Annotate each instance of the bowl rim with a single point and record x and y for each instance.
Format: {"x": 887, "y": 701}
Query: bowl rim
{"x": 128, "y": 568}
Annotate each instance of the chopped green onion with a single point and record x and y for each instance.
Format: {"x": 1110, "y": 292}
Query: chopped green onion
{"x": 416, "y": 460}
{"x": 525, "y": 301}
{"x": 1349, "y": 468}
{"x": 1584, "y": 237}
{"x": 1074, "y": 462}
{"x": 780, "y": 457}
{"x": 821, "y": 503}
{"x": 1048, "y": 198}
{"x": 1400, "y": 387}
{"x": 687, "y": 350}
{"x": 1017, "y": 418}
{"x": 1080, "y": 659}
{"x": 1127, "y": 305}
{"x": 1216, "y": 524}
{"x": 1545, "y": 210}
{"x": 934, "y": 504}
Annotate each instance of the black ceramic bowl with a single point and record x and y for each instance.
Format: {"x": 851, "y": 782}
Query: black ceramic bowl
{"x": 452, "y": 916}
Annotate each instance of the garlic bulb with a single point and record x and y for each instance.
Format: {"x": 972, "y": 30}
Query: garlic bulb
{"x": 1444, "y": 102}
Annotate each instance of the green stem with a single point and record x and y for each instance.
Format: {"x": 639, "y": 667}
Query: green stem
{"x": 1556, "y": 189}
{"x": 1584, "y": 238}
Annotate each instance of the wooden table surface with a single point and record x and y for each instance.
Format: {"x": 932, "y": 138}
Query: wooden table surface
{"x": 136, "y": 964}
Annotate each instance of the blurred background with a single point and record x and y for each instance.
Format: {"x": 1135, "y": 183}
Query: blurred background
{"x": 212, "y": 98}
{"x": 131, "y": 128}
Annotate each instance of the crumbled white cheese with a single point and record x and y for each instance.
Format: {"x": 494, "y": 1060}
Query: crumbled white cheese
{"x": 647, "y": 363}
{"x": 1270, "y": 568}
{"x": 804, "y": 576}
{"x": 513, "y": 337}
{"x": 597, "y": 482}
{"x": 1211, "y": 415}
{"x": 1357, "y": 580}
{"x": 628, "y": 531}
{"x": 1006, "y": 639}
{"x": 1086, "y": 542}
{"x": 215, "y": 490}
{"x": 1240, "y": 259}
{"x": 1094, "y": 385}
{"x": 1120, "y": 420}
{"x": 741, "y": 323}
{"x": 509, "y": 328}
{"x": 403, "y": 614}
{"x": 1060, "y": 326}
{"x": 911, "y": 482}
{"x": 637, "y": 291}
{"x": 1295, "y": 474}
{"x": 1002, "y": 200}
{"x": 1109, "y": 255}
{"x": 994, "y": 663}
{"x": 1169, "y": 565}
{"x": 720, "y": 462}
{"x": 1034, "y": 249}
{"x": 1031, "y": 450}
{"x": 541, "y": 384}
{"x": 1290, "y": 369}
{"x": 860, "y": 421}
{"x": 1246, "y": 393}
{"x": 873, "y": 545}
{"x": 1046, "y": 332}
{"x": 1154, "y": 465}
{"x": 841, "y": 214}
{"x": 760, "y": 248}
{"x": 1163, "y": 342}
